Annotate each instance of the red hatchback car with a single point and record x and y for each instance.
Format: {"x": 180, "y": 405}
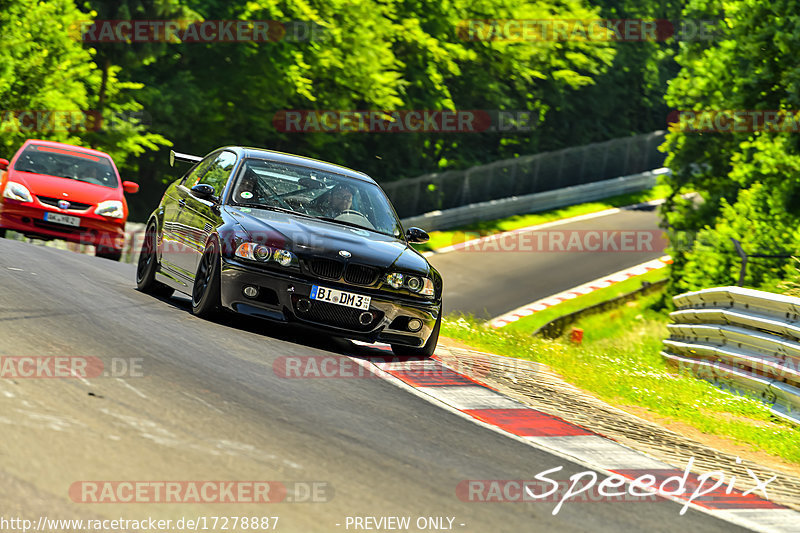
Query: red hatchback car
{"x": 52, "y": 190}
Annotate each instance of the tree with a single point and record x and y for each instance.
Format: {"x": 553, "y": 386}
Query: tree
{"x": 43, "y": 69}
{"x": 52, "y": 89}
{"x": 748, "y": 180}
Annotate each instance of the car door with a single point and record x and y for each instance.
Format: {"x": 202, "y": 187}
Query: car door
{"x": 200, "y": 217}
{"x": 174, "y": 236}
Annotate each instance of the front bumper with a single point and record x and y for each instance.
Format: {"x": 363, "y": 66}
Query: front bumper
{"x": 282, "y": 295}
{"x": 29, "y": 219}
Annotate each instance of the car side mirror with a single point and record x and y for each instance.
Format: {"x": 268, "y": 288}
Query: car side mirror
{"x": 204, "y": 191}
{"x": 3, "y": 164}
{"x": 417, "y": 235}
{"x": 130, "y": 187}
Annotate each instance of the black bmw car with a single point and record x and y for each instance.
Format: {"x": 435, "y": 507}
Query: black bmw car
{"x": 292, "y": 239}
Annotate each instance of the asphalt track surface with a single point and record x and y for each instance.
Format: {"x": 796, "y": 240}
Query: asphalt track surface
{"x": 488, "y": 283}
{"x": 207, "y": 405}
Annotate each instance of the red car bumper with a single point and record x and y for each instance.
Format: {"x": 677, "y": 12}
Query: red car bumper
{"x": 29, "y": 219}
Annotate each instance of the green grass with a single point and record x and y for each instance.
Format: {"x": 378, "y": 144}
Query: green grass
{"x": 440, "y": 239}
{"x": 531, "y": 323}
{"x": 619, "y": 362}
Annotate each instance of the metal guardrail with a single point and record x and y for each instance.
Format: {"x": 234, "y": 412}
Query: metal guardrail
{"x": 546, "y": 171}
{"x": 532, "y": 203}
{"x": 742, "y": 340}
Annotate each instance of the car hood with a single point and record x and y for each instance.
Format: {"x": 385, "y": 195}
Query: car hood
{"x": 54, "y": 187}
{"x": 310, "y": 237}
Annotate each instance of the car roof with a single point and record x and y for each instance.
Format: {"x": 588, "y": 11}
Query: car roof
{"x": 54, "y": 144}
{"x": 282, "y": 157}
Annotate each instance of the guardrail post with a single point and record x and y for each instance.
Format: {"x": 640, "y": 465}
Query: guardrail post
{"x": 743, "y": 256}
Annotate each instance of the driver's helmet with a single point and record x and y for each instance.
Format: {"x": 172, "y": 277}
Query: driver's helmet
{"x": 342, "y": 189}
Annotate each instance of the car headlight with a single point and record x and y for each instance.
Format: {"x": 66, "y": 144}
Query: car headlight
{"x": 415, "y": 284}
{"x": 283, "y": 257}
{"x": 110, "y": 208}
{"x": 263, "y": 254}
{"x": 395, "y": 279}
{"x": 253, "y": 252}
{"x": 17, "y": 191}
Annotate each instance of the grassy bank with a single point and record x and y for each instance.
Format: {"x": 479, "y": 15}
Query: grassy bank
{"x": 440, "y": 239}
{"x": 619, "y": 362}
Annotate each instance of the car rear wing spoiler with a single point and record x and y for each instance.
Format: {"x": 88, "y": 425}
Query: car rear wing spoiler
{"x": 175, "y": 156}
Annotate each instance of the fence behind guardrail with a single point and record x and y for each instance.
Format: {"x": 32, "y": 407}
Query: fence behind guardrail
{"x": 742, "y": 340}
{"x": 541, "y": 172}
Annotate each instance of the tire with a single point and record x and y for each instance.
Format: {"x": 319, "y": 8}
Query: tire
{"x": 147, "y": 267}
{"x": 108, "y": 253}
{"x": 2, "y": 233}
{"x": 427, "y": 350}
{"x": 206, "y": 289}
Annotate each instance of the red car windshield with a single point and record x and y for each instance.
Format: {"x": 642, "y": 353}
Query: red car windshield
{"x": 65, "y": 163}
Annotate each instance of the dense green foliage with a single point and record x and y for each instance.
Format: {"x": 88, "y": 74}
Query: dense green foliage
{"x": 748, "y": 180}
{"x": 45, "y": 71}
{"x": 360, "y": 55}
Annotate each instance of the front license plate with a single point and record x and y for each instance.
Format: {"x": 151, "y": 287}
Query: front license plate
{"x": 335, "y": 296}
{"x": 62, "y": 219}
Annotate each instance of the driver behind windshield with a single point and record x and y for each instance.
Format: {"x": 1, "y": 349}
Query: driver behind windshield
{"x": 90, "y": 173}
{"x": 339, "y": 200}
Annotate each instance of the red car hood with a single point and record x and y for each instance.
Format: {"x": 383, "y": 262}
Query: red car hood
{"x": 76, "y": 191}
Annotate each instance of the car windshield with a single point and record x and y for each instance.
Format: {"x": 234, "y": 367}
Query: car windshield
{"x": 315, "y": 193}
{"x": 65, "y": 163}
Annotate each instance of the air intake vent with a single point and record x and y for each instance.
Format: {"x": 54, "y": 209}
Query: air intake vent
{"x": 336, "y": 315}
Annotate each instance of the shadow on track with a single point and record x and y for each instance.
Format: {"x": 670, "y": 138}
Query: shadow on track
{"x": 292, "y": 332}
